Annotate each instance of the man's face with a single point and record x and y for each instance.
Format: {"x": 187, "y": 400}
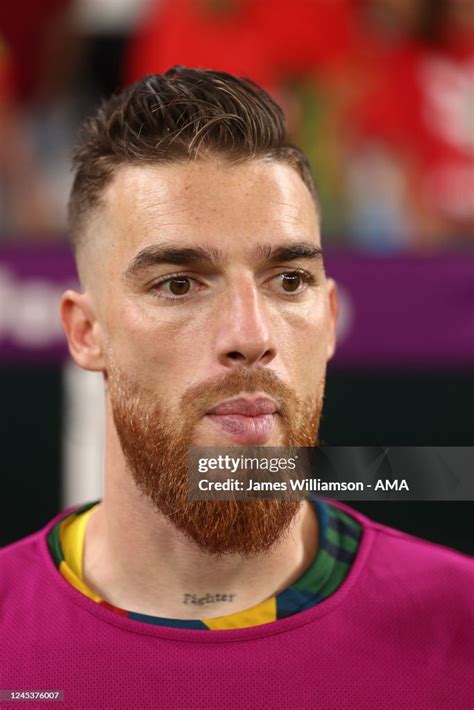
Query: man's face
{"x": 210, "y": 287}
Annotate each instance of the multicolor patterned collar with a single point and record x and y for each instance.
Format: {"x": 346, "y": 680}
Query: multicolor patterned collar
{"x": 339, "y": 537}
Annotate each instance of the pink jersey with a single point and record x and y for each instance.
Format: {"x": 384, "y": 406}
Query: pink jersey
{"x": 398, "y": 634}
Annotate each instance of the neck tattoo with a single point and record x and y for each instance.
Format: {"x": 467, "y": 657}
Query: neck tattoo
{"x": 207, "y": 598}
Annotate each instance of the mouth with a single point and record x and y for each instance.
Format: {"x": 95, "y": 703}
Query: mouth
{"x": 245, "y": 421}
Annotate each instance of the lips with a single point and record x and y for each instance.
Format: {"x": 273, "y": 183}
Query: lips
{"x": 245, "y": 421}
{"x": 246, "y": 407}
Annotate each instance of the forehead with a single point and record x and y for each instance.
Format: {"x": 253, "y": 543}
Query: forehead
{"x": 205, "y": 202}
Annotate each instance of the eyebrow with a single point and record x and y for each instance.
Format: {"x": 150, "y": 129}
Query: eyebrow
{"x": 288, "y": 252}
{"x": 155, "y": 255}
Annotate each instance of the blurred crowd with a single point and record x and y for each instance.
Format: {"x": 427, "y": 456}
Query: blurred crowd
{"x": 379, "y": 93}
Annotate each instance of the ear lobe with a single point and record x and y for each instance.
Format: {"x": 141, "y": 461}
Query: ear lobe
{"x": 82, "y": 330}
{"x": 333, "y": 314}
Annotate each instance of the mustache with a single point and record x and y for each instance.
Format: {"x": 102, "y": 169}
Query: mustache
{"x": 209, "y": 392}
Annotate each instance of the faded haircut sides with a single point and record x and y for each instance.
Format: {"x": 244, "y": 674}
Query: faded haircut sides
{"x": 184, "y": 114}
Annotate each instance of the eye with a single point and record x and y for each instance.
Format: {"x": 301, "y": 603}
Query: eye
{"x": 291, "y": 282}
{"x": 174, "y": 287}
{"x": 294, "y": 282}
{"x": 179, "y": 286}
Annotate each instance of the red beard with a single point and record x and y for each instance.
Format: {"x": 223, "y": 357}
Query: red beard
{"x": 155, "y": 445}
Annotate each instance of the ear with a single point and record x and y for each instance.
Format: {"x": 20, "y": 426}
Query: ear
{"x": 82, "y": 330}
{"x": 333, "y": 314}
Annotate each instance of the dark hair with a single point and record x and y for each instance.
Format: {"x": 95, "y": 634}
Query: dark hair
{"x": 181, "y": 115}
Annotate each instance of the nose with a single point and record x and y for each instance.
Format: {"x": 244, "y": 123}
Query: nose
{"x": 244, "y": 334}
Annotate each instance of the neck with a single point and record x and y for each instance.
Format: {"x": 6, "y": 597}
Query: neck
{"x": 136, "y": 559}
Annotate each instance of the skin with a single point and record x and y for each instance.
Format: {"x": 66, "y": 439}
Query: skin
{"x": 237, "y": 314}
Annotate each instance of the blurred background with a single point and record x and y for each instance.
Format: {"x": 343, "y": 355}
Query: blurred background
{"x": 380, "y": 95}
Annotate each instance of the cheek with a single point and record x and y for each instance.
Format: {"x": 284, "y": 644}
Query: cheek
{"x": 307, "y": 325}
{"x": 306, "y": 338}
{"x": 147, "y": 346}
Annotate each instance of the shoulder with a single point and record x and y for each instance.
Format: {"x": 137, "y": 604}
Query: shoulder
{"x": 33, "y": 549}
{"x": 414, "y": 556}
{"x": 419, "y": 579}
{"x": 20, "y": 559}
{"x": 403, "y": 563}
{"x": 27, "y": 563}
{"x": 23, "y": 578}
{"x": 22, "y": 548}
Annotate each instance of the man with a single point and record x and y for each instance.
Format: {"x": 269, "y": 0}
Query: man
{"x": 206, "y": 307}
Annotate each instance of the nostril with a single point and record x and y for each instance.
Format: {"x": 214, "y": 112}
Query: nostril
{"x": 236, "y": 355}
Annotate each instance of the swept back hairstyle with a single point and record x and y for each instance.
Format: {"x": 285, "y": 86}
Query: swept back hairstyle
{"x": 183, "y": 114}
